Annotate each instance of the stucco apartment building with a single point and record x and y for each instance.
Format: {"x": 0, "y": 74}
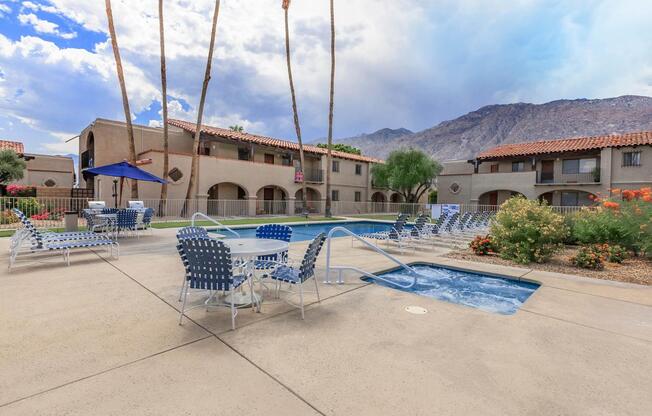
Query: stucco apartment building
{"x": 51, "y": 175}
{"x": 562, "y": 172}
{"x": 233, "y": 166}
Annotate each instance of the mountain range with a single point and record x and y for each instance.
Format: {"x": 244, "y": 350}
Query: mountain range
{"x": 492, "y": 125}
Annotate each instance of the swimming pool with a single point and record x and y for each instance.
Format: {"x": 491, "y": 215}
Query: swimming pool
{"x": 309, "y": 231}
{"x": 488, "y": 293}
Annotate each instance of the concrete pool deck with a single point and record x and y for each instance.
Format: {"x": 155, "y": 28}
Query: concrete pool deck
{"x": 101, "y": 337}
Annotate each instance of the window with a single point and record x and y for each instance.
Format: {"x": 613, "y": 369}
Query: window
{"x": 286, "y": 160}
{"x": 243, "y": 153}
{"x": 569, "y": 199}
{"x": 573, "y": 166}
{"x": 358, "y": 169}
{"x": 269, "y": 158}
{"x": 518, "y": 166}
{"x": 175, "y": 174}
{"x": 494, "y": 168}
{"x": 358, "y": 196}
{"x": 454, "y": 188}
{"x": 335, "y": 195}
{"x": 336, "y": 166}
{"x": 204, "y": 149}
{"x": 49, "y": 183}
{"x": 631, "y": 159}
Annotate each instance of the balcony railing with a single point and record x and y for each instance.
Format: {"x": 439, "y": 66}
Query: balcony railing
{"x": 549, "y": 178}
{"x": 311, "y": 175}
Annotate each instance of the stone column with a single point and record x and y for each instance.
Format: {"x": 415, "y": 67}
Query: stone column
{"x": 251, "y": 206}
{"x": 290, "y": 208}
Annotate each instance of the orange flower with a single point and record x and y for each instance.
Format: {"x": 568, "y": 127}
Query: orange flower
{"x": 615, "y": 190}
{"x": 611, "y": 204}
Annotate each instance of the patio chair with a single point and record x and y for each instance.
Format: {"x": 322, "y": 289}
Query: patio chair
{"x": 273, "y": 232}
{"x": 297, "y": 276}
{"x": 94, "y": 223}
{"x": 126, "y": 221}
{"x": 209, "y": 267}
{"x": 146, "y": 222}
{"x": 29, "y": 229}
{"x": 186, "y": 233}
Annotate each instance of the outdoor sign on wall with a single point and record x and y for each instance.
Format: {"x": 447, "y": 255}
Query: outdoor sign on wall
{"x": 436, "y": 210}
{"x": 298, "y": 176}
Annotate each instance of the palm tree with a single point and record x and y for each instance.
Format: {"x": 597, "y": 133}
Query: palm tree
{"x": 330, "y": 117}
{"x": 164, "y": 109}
{"x": 200, "y": 112}
{"x": 286, "y": 6}
{"x": 125, "y": 100}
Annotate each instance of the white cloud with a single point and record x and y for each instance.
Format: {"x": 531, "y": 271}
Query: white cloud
{"x": 4, "y": 10}
{"x": 44, "y": 26}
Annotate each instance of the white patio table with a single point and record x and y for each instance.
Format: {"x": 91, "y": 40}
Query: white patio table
{"x": 249, "y": 249}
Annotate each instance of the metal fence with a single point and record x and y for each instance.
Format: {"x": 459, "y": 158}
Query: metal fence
{"x": 49, "y": 212}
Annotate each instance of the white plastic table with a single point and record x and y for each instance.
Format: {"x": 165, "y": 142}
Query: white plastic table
{"x": 249, "y": 249}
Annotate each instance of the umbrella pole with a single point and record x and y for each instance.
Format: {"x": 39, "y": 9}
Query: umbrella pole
{"x": 122, "y": 184}
{"x": 115, "y": 193}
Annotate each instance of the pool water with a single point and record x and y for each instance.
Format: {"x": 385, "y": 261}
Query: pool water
{"x": 310, "y": 231}
{"x": 488, "y": 293}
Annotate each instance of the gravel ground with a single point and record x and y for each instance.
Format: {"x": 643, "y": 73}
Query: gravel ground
{"x": 633, "y": 270}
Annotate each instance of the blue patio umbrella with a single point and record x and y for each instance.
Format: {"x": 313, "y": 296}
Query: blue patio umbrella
{"x": 123, "y": 170}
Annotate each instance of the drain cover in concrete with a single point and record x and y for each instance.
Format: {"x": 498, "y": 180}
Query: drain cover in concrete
{"x": 417, "y": 310}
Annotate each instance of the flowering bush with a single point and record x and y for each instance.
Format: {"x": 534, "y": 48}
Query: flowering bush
{"x": 589, "y": 257}
{"x": 29, "y": 206}
{"x": 56, "y": 214}
{"x": 8, "y": 217}
{"x": 626, "y": 221}
{"x": 20, "y": 190}
{"x": 616, "y": 253}
{"x": 482, "y": 245}
{"x": 527, "y": 231}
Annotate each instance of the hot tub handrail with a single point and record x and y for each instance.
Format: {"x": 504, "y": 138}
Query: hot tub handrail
{"x": 371, "y": 275}
{"x": 214, "y": 221}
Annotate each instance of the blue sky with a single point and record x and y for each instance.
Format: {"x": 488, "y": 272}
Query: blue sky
{"x": 402, "y": 63}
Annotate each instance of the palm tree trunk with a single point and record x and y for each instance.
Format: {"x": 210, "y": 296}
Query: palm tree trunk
{"x": 125, "y": 99}
{"x": 164, "y": 109}
{"x": 200, "y": 112}
{"x": 286, "y": 6}
{"x": 329, "y": 156}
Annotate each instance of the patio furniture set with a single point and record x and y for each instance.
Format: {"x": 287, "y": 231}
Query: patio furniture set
{"x": 223, "y": 268}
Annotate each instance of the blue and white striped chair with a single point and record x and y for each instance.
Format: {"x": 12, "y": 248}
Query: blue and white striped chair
{"x": 273, "y": 232}
{"x": 209, "y": 267}
{"x": 395, "y": 234}
{"x": 126, "y": 221}
{"x": 39, "y": 243}
{"x": 51, "y": 235}
{"x": 148, "y": 214}
{"x": 186, "y": 233}
{"x": 297, "y": 276}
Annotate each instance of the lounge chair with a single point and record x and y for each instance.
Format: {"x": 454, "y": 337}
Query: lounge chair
{"x": 208, "y": 266}
{"x": 394, "y": 234}
{"x": 297, "y": 276}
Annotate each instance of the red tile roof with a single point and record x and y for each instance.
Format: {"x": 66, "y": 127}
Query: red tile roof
{"x": 9, "y": 145}
{"x": 568, "y": 145}
{"x": 264, "y": 140}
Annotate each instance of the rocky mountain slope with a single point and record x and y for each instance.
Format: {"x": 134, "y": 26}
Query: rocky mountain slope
{"x": 492, "y": 125}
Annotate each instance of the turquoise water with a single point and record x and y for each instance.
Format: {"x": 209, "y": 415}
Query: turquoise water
{"x": 310, "y": 231}
{"x": 491, "y": 294}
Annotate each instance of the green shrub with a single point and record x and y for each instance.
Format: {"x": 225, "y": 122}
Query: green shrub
{"x": 29, "y": 206}
{"x": 527, "y": 231}
{"x": 482, "y": 245}
{"x": 589, "y": 257}
{"x": 615, "y": 253}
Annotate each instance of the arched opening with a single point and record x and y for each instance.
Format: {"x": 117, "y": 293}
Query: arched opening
{"x": 227, "y": 199}
{"x": 313, "y": 201}
{"x": 396, "y": 198}
{"x": 497, "y": 197}
{"x": 378, "y": 202}
{"x": 568, "y": 198}
{"x": 271, "y": 200}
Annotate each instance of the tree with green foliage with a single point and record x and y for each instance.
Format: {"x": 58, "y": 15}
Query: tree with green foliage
{"x": 341, "y": 147}
{"x": 409, "y": 172}
{"x": 11, "y": 167}
{"x": 236, "y": 128}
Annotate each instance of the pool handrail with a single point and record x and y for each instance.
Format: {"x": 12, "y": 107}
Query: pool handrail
{"x": 364, "y": 272}
{"x": 214, "y": 221}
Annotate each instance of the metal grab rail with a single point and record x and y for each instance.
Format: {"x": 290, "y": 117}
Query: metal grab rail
{"x": 373, "y": 247}
{"x": 216, "y": 222}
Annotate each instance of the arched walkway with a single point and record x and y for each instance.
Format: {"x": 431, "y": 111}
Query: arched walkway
{"x": 396, "y": 198}
{"x": 313, "y": 201}
{"x": 378, "y": 202}
{"x": 271, "y": 200}
{"x": 227, "y": 199}
{"x": 497, "y": 197}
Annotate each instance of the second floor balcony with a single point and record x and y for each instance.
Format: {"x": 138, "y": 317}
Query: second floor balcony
{"x": 311, "y": 175}
{"x": 568, "y": 178}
